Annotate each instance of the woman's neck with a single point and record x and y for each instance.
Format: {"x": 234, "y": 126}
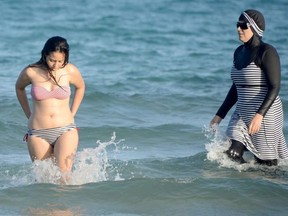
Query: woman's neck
{"x": 253, "y": 42}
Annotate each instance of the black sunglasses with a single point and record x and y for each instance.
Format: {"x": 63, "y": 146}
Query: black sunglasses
{"x": 243, "y": 25}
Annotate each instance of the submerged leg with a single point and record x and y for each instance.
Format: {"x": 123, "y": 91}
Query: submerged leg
{"x": 273, "y": 162}
{"x": 236, "y": 151}
{"x": 64, "y": 151}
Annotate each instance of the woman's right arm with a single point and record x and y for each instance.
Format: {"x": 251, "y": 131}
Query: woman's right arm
{"x": 230, "y": 99}
{"x": 21, "y": 83}
{"x": 228, "y": 103}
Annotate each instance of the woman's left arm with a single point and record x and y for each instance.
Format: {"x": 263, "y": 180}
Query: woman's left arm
{"x": 77, "y": 81}
{"x": 271, "y": 66}
{"x": 272, "y": 70}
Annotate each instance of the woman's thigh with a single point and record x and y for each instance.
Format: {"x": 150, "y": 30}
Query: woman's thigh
{"x": 65, "y": 149}
{"x": 39, "y": 149}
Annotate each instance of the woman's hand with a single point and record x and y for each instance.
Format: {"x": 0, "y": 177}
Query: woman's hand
{"x": 215, "y": 121}
{"x": 255, "y": 124}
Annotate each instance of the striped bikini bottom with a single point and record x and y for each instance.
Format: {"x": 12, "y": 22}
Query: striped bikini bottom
{"x": 50, "y": 134}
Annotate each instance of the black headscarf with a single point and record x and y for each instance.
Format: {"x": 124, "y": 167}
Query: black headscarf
{"x": 255, "y": 19}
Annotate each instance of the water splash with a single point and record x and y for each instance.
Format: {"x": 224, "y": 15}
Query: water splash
{"x": 45, "y": 171}
{"x": 90, "y": 165}
{"x": 218, "y": 144}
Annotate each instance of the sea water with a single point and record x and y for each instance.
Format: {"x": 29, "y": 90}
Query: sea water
{"x": 155, "y": 73}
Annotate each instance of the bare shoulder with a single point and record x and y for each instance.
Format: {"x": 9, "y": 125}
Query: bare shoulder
{"x": 30, "y": 71}
{"x": 72, "y": 69}
{"x": 75, "y": 75}
{"x": 25, "y": 77}
{"x": 27, "y": 73}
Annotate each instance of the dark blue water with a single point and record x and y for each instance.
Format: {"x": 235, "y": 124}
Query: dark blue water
{"x": 155, "y": 72}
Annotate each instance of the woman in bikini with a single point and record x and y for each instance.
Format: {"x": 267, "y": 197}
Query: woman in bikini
{"x": 51, "y": 128}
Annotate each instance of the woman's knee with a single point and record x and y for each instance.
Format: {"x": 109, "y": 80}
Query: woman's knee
{"x": 236, "y": 151}
{"x": 65, "y": 149}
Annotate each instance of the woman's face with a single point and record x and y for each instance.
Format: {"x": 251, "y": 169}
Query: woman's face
{"x": 55, "y": 60}
{"x": 244, "y": 31}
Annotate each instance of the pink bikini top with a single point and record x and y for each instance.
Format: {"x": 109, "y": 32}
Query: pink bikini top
{"x": 41, "y": 93}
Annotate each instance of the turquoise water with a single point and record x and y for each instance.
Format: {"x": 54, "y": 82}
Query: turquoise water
{"x": 155, "y": 72}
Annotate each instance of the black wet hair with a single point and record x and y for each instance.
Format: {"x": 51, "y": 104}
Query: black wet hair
{"x": 53, "y": 44}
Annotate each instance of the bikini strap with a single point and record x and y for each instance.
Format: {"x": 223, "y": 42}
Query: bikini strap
{"x": 25, "y": 138}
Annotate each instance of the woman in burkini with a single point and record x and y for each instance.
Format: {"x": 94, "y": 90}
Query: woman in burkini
{"x": 51, "y": 128}
{"x": 257, "y": 122}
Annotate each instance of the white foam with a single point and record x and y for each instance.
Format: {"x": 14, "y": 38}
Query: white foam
{"x": 218, "y": 144}
{"x": 90, "y": 165}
